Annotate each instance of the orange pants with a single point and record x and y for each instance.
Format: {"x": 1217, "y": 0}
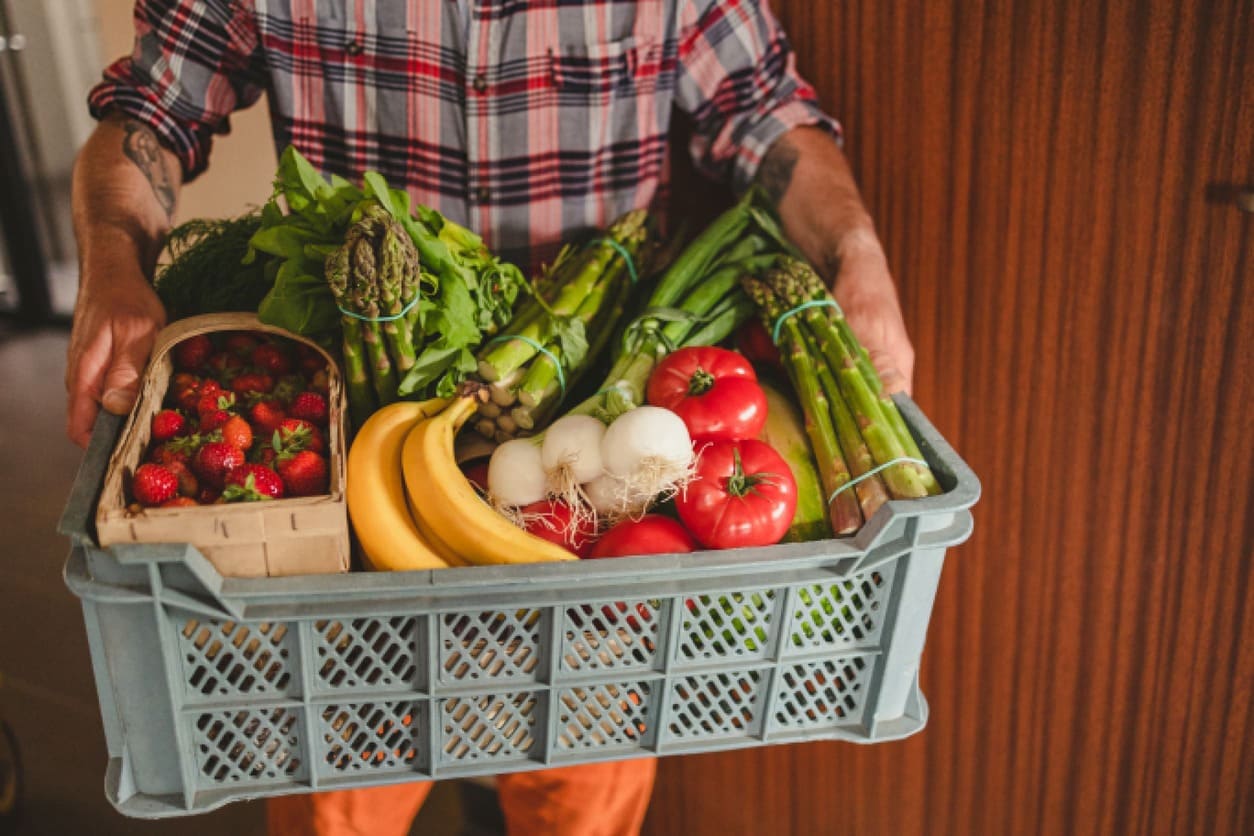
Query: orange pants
{"x": 604, "y": 799}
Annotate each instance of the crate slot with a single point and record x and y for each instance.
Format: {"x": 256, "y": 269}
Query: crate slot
{"x": 715, "y": 705}
{"x": 610, "y": 636}
{"x": 840, "y": 614}
{"x": 370, "y": 737}
{"x": 722, "y": 625}
{"x": 228, "y": 658}
{"x": 821, "y": 693}
{"x": 246, "y": 745}
{"x": 604, "y": 716}
{"x": 491, "y": 726}
{"x": 373, "y": 653}
{"x": 489, "y": 645}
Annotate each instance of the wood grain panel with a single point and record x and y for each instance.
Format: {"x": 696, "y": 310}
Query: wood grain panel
{"x": 1083, "y": 319}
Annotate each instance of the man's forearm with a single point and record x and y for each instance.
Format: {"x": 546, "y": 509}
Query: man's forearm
{"x": 806, "y": 176}
{"x": 125, "y": 188}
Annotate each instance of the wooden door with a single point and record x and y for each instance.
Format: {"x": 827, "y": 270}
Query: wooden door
{"x": 1054, "y": 184}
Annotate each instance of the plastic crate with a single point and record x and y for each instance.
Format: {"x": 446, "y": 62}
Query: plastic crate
{"x": 214, "y": 690}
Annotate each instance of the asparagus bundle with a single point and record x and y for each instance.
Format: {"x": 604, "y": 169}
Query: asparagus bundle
{"x": 374, "y": 278}
{"x": 545, "y": 348}
{"x": 854, "y": 426}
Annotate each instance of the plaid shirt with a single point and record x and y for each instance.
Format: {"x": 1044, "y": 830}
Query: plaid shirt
{"x": 528, "y": 121}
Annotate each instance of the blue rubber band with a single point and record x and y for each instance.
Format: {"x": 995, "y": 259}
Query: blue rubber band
{"x": 872, "y": 472}
{"x": 813, "y": 303}
{"x": 561, "y": 375}
{"x": 391, "y": 318}
{"x": 631, "y": 264}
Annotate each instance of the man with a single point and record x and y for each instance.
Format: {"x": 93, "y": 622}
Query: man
{"x": 529, "y": 122}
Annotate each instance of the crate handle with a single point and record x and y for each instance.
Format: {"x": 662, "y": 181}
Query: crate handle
{"x": 77, "y": 520}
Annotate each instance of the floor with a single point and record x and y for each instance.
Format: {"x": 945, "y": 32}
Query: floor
{"x": 46, "y": 690}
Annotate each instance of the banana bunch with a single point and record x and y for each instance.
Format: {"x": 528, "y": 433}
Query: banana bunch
{"x": 410, "y": 504}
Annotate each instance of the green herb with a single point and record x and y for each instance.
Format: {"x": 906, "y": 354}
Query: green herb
{"x": 203, "y": 272}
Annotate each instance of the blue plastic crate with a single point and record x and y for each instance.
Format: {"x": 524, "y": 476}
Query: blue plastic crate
{"x": 217, "y": 689}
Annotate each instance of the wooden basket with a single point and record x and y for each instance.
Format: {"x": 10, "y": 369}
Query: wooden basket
{"x": 298, "y": 536}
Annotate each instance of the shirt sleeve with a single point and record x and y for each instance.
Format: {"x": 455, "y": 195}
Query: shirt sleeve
{"x": 194, "y": 63}
{"x": 738, "y": 80}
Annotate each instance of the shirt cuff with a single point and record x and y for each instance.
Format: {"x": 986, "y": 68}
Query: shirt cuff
{"x": 753, "y": 145}
{"x": 190, "y": 142}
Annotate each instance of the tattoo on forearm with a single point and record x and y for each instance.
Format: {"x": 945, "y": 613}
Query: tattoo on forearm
{"x": 775, "y": 173}
{"x": 141, "y": 146}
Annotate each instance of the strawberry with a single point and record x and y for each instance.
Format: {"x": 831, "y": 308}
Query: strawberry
{"x": 167, "y": 424}
{"x": 180, "y": 502}
{"x": 178, "y": 450}
{"x": 266, "y": 416}
{"x": 153, "y": 485}
{"x": 289, "y": 387}
{"x": 304, "y": 473}
{"x": 192, "y": 353}
{"x": 272, "y": 358}
{"x": 251, "y": 382}
{"x": 208, "y": 496}
{"x": 214, "y": 402}
{"x": 252, "y": 482}
{"x": 309, "y": 406}
{"x": 299, "y": 434}
{"x": 181, "y": 382}
{"x": 226, "y": 365}
{"x": 188, "y": 484}
{"x": 264, "y": 453}
{"x": 237, "y": 433}
{"x": 209, "y": 386}
{"x": 214, "y": 419}
{"x": 240, "y": 344}
{"x": 310, "y": 360}
{"x": 216, "y": 459}
{"x": 321, "y": 381}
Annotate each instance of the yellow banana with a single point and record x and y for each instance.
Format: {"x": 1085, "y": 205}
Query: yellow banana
{"x": 441, "y": 548}
{"x": 448, "y": 506}
{"x": 390, "y": 540}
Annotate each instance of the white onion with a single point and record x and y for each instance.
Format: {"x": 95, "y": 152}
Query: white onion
{"x": 607, "y": 494}
{"x": 572, "y": 449}
{"x": 649, "y": 448}
{"x": 515, "y": 473}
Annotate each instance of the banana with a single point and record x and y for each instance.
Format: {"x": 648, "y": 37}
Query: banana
{"x": 375, "y": 491}
{"x": 441, "y": 548}
{"x": 447, "y": 505}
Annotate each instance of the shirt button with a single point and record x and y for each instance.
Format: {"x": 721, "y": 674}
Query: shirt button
{"x": 480, "y": 83}
{"x": 353, "y": 48}
{"x": 482, "y": 194}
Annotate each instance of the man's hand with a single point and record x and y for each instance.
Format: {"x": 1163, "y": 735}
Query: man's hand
{"x": 115, "y": 321}
{"x": 808, "y": 179}
{"x": 125, "y": 188}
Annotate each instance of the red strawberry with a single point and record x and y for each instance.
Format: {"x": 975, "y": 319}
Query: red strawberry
{"x": 310, "y": 360}
{"x": 178, "y": 450}
{"x": 250, "y": 382}
{"x": 266, "y": 416}
{"x": 304, "y": 473}
{"x": 213, "y": 420}
{"x": 191, "y": 354}
{"x": 289, "y": 387}
{"x": 298, "y": 434}
{"x": 180, "y": 502}
{"x": 251, "y": 482}
{"x": 272, "y": 358}
{"x": 240, "y": 344}
{"x": 309, "y": 406}
{"x": 188, "y": 484}
{"x": 264, "y": 453}
{"x": 214, "y": 402}
{"x": 208, "y": 496}
{"x": 226, "y": 365}
{"x": 216, "y": 459}
{"x": 167, "y": 424}
{"x": 153, "y": 485}
{"x": 211, "y": 387}
{"x": 321, "y": 381}
{"x": 237, "y": 433}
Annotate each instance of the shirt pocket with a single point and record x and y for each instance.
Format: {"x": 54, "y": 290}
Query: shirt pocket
{"x": 590, "y": 69}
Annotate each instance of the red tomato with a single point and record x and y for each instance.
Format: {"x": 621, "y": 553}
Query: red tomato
{"x": 754, "y": 341}
{"x": 476, "y": 471}
{"x": 743, "y": 494}
{"x": 651, "y": 534}
{"x": 551, "y": 519}
{"x": 714, "y": 391}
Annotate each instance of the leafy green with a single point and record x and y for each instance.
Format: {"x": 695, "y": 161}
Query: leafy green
{"x": 205, "y": 272}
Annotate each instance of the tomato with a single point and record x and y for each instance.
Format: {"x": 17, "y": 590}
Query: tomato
{"x": 551, "y": 519}
{"x": 651, "y": 534}
{"x": 714, "y": 391}
{"x": 743, "y": 494}
{"x": 476, "y": 471}
{"x": 754, "y": 341}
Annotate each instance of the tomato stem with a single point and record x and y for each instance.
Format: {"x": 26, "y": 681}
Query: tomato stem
{"x": 743, "y": 484}
{"x": 700, "y": 382}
